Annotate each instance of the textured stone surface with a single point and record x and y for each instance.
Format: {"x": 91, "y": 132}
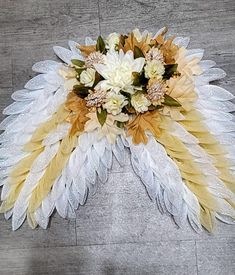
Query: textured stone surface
{"x": 31, "y": 22}
{"x": 5, "y": 99}
{"x": 119, "y": 230}
{"x": 216, "y": 257}
{"x": 61, "y": 232}
{"x": 6, "y": 66}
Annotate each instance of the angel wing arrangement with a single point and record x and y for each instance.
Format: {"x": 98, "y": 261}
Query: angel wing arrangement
{"x": 144, "y": 92}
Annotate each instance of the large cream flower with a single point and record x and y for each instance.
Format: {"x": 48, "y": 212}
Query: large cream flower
{"x": 117, "y": 70}
{"x": 114, "y": 103}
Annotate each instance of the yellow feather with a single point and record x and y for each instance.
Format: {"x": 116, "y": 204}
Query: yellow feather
{"x": 52, "y": 172}
{"x": 24, "y": 165}
{"x": 31, "y": 221}
{"x": 207, "y": 219}
{"x": 209, "y": 143}
{"x": 34, "y": 146}
{"x": 191, "y": 173}
{"x": 49, "y": 125}
{"x": 17, "y": 179}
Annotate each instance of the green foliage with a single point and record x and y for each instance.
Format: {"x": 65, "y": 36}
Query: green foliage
{"x": 77, "y": 62}
{"x": 102, "y": 115}
{"x": 139, "y": 79}
{"x": 79, "y": 70}
{"x": 120, "y": 124}
{"x": 170, "y": 69}
{"x": 170, "y": 101}
{"x": 137, "y": 52}
{"x": 100, "y": 45}
{"x": 81, "y": 90}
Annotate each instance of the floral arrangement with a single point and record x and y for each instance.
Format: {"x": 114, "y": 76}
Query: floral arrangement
{"x": 144, "y": 92}
{"x": 125, "y": 80}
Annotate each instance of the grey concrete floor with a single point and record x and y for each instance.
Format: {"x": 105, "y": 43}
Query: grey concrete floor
{"x": 119, "y": 230}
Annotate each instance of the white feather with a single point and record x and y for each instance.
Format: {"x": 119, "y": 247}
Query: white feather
{"x": 65, "y": 54}
{"x": 181, "y": 41}
{"x": 74, "y": 48}
{"x": 37, "y": 82}
{"x": 163, "y": 181}
{"x": 195, "y": 53}
{"x": 80, "y": 175}
{"x": 45, "y": 66}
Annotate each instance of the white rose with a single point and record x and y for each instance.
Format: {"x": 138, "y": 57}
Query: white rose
{"x": 114, "y": 103}
{"x": 112, "y": 40}
{"x": 154, "y": 69}
{"x": 140, "y": 102}
{"x": 87, "y": 77}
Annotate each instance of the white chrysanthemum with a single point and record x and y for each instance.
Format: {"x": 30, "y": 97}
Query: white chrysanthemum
{"x": 154, "y": 69}
{"x": 117, "y": 70}
{"x": 140, "y": 102}
{"x": 114, "y": 103}
{"x": 112, "y": 41}
{"x": 87, "y": 77}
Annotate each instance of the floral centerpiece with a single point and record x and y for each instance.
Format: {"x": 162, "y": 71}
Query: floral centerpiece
{"x": 126, "y": 82}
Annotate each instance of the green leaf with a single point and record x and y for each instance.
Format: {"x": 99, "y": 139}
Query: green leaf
{"x": 78, "y": 62}
{"x": 139, "y": 79}
{"x": 100, "y": 45}
{"x": 79, "y": 70}
{"x": 97, "y": 79}
{"x": 138, "y": 52}
{"x": 81, "y": 90}
{"x": 170, "y": 69}
{"x": 102, "y": 115}
{"x": 157, "y": 107}
{"x": 136, "y": 79}
{"x": 170, "y": 101}
{"x": 120, "y": 124}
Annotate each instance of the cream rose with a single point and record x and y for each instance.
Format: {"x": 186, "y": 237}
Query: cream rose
{"x": 140, "y": 102}
{"x": 114, "y": 103}
{"x": 154, "y": 69}
{"x": 87, "y": 77}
